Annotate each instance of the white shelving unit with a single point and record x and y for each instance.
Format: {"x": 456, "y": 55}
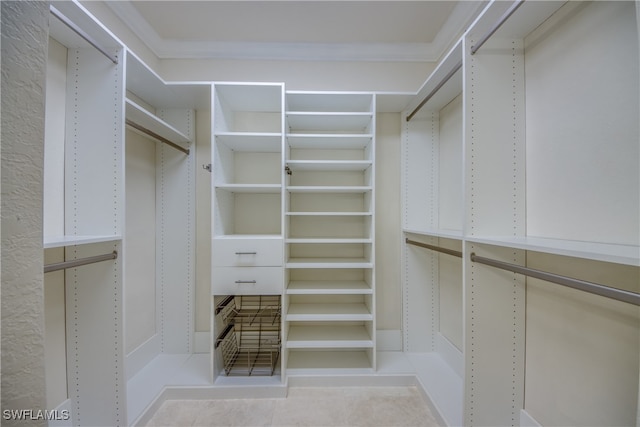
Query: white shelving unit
{"x": 513, "y": 168}
{"x": 84, "y": 217}
{"x": 329, "y": 233}
{"x": 247, "y": 183}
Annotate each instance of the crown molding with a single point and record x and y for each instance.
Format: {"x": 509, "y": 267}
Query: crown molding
{"x": 458, "y": 21}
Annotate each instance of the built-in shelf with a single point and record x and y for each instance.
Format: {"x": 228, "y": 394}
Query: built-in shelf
{"x": 619, "y": 254}
{"x": 448, "y": 234}
{"x": 329, "y": 263}
{"x": 329, "y": 189}
{"x": 328, "y": 240}
{"x": 329, "y": 141}
{"x": 144, "y": 118}
{"x": 309, "y": 362}
{"x": 328, "y": 336}
{"x": 329, "y": 165}
{"x": 64, "y": 241}
{"x": 250, "y": 188}
{"x": 329, "y": 121}
{"x": 317, "y": 287}
{"x": 329, "y": 213}
{"x": 328, "y": 312}
{"x": 251, "y": 141}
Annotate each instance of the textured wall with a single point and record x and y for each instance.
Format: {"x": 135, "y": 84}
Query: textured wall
{"x": 24, "y": 55}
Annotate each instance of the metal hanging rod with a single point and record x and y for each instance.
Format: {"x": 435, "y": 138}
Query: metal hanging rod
{"x": 593, "y": 288}
{"x": 496, "y": 26}
{"x": 156, "y": 136}
{"x": 79, "y": 262}
{"x": 79, "y": 31}
{"x": 435, "y": 90}
{"x": 434, "y": 248}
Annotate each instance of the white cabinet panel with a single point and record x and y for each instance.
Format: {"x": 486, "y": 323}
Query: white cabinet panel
{"x": 247, "y": 280}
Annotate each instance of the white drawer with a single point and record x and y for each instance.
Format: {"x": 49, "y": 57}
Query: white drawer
{"x": 247, "y": 252}
{"x": 248, "y": 280}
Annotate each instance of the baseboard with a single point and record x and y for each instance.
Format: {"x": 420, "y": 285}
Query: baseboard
{"x": 526, "y": 420}
{"x": 450, "y": 354}
{"x": 63, "y": 415}
{"x": 141, "y": 356}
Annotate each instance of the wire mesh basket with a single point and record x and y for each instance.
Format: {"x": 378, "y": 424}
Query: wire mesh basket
{"x": 250, "y": 343}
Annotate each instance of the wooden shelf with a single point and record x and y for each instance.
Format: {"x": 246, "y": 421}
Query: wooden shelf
{"x": 329, "y": 189}
{"x": 251, "y": 141}
{"x": 328, "y": 312}
{"x": 619, "y": 254}
{"x": 345, "y": 361}
{"x": 329, "y": 165}
{"x": 328, "y": 240}
{"x": 64, "y": 241}
{"x": 328, "y": 121}
{"x": 329, "y": 263}
{"x": 250, "y": 188}
{"x": 334, "y": 141}
{"x": 144, "y": 118}
{"x": 447, "y": 234}
{"x": 328, "y": 336}
{"x": 329, "y": 213}
{"x": 318, "y": 287}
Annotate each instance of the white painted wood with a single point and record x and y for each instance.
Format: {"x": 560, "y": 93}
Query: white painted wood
{"x": 142, "y": 117}
{"x": 139, "y": 358}
{"x": 442, "y": 385}
{"x": 247, "y": 252}
{"x": 252, "y": 142}
{"x": 94, "y": 162}
{"x": 307, "y": 362}
{"x": 63, "y": 241}
{"x": 95, "y": 344}
{"x": 328, "y": 311}
{"x": 332, "y": 141}
{"x": 268, "y": 280}
{"x": 314, "y": 287}
{"x": 619, "y": 254}
{"x": 328, "y": 336}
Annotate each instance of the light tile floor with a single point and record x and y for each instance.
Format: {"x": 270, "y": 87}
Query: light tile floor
{"x": 305, "y": 406}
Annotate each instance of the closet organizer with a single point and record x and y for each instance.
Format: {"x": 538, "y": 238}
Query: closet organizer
{"x": 520, "y": 227}
{"x": 521, "y": 154}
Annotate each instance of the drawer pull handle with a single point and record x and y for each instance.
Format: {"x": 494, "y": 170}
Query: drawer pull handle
{"x": 246, "y": 281}
{"x": 246, "y": 253}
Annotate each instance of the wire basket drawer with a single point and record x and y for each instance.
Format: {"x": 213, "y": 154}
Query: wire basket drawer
{"x": 250, "y": 343}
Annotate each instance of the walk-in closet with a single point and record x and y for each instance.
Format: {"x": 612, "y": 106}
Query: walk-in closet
{"x": 225, "y": 227}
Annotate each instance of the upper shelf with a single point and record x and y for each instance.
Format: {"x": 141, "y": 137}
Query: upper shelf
{"x": 251, "y": 141}
{"x": 619, "y": 254}
{"x": 330, "y": 101}
{"x": 329, "y": 165}
{"x": 307, "y": 122}
{"x": 142, "y": 117}
{"x": 65, "y": 241}
{"x": 442, "y": 86}
{"x": 330, "y": 141}
{"x": 148, "y": 86}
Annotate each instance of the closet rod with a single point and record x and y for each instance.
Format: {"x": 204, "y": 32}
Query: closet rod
{"x": 79, "y": 31}
{"x": 434, "y": 248}
{"x": 79, "y": 262}
{"x": 156, "y": 136}
{"x": 593, "y": 288}
{"x": 496, "y": 26}
{"x": 435, "y": 90}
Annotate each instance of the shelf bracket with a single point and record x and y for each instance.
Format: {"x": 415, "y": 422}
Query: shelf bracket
{"x": 207, "y": 167}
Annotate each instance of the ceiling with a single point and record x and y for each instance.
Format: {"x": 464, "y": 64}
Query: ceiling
{"x": 298, "y": 30}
